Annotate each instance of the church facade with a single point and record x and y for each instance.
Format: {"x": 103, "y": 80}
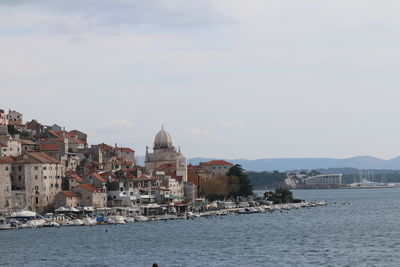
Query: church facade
{"x": 164, "y": 152}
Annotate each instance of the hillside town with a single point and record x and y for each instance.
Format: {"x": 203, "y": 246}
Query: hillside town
{"x": 47, "y": 167}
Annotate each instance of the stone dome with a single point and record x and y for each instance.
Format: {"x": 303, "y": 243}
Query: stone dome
{"x": 163, "y": 139}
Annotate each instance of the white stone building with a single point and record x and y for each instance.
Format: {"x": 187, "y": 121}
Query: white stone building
{"x": 14, "y": 117}
{"x": 39, "y": 176}
{"x": 5, "y": 183}
{"x": 165, "y": 152}
{"x": 10, "y": 146}
{"x": 324, "y": 179}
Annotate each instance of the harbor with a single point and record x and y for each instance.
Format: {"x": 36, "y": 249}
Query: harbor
{"x": 122, "y": 215}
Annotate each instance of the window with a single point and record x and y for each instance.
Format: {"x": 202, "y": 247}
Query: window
{"x": 121, "y": 189}
{"x": 35, "y": 177}
{"x": 44, "y": 168}
{"x": 37, "y": 200}
{"x": 45, "y": 177}
{"x": 6, "y": 168}
{"x": 36, "y": 167}
{"x": 19, "y": 177}
{"x": 19, "y": 168}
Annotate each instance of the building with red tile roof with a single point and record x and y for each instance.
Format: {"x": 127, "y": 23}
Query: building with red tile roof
{"x": 216, "y": 167}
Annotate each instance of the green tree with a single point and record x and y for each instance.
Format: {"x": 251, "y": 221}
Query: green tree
{"x": 12, "y": 131}
{"x": 245, "y": 187}
{"x": 281, "y": 195}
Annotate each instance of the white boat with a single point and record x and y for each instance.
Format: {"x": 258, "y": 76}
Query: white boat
{"x": 51, "y": 224}
{"x": 116, "y": 219}
{"x": 4, "y": 225}
{"x": 129, "y": 219}
{"x": 75, "y": 222}
{"x": 23, "y": 214}
{"x": 140, "y": 218}
{"x": 33, "y": 224}
{"x": 242, "y": 211}
{"x": 89, "y": 221}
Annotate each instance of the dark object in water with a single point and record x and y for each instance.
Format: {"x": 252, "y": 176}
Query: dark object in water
{"x": 155, "y": 265}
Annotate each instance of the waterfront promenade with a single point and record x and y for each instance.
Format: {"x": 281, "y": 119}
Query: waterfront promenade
{"x": 26, "y": 220}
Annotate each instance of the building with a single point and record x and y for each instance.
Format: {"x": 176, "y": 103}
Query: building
{"x": 29, "y": 145}
{"x": 90, "y": 196}
{"x": 71, "y": 181}
{"x": 14, "y": 118}
{"x": 165, "y": 152}
{"x": 125, "y": 154}
{"x": 79, "y": 135}
{"x": 96, "y": 180}
{"x": 9, "y": 146}
{"x": 39, "y": 176}
{"x": 123, "y": 190}
{"x": 5, "y": 182}
{"x": 3, "y": 123}
{"x": 216, "y": 167}
{"x": 66, "y": 199}
{"x": 324, "y": 179}
{"x": 3, "y": 118}
{"x": 34, "y": 128}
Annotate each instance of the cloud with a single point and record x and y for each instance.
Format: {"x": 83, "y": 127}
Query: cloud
{"x": 115, "y": 127}
{"x": 231, "y": 123}
{"x": 197, "y": 131}
{"x": 93, "y": 14}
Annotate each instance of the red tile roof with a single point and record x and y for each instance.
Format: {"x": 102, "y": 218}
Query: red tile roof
{"x": 125, "y": 149}
{"x": 88, "y": 187}
{"x": 76, "y": 177}
{"x": 215, "y": 162}
{"x": 99, "y": 177}
{"x": 105, "y": 147}
{"x": 129, "y": 175}
{"x": 55, "y": 133}
{"x": 69, "y": 194}
{"x": 79, "y": 141}
{"x": 50, "y": 147}
{"x": 6, "y": 160}
{"x": 43, "y": 157}
{"x": 28, "y": 142}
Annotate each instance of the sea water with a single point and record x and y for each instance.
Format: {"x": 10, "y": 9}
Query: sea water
{"x": 359, "y": 227}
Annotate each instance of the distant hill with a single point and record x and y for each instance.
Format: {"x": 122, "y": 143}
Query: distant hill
{"x": 288, "y": 164}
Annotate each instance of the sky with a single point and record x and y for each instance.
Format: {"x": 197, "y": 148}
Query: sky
{"x": 227, "y": 78}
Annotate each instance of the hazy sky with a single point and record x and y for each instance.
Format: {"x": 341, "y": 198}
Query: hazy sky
{"x": 233, "y": 79}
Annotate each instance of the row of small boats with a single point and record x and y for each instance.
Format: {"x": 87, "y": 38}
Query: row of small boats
{"x": 28, "y": 219}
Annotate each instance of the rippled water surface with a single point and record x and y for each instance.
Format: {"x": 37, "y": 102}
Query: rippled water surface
{"x": 364, "y": 233}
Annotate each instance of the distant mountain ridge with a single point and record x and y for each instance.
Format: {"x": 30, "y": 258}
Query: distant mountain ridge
{"x": 287, "y": 164}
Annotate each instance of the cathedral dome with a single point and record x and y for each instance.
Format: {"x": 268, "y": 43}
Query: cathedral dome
{"x": 163, "y": 139}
